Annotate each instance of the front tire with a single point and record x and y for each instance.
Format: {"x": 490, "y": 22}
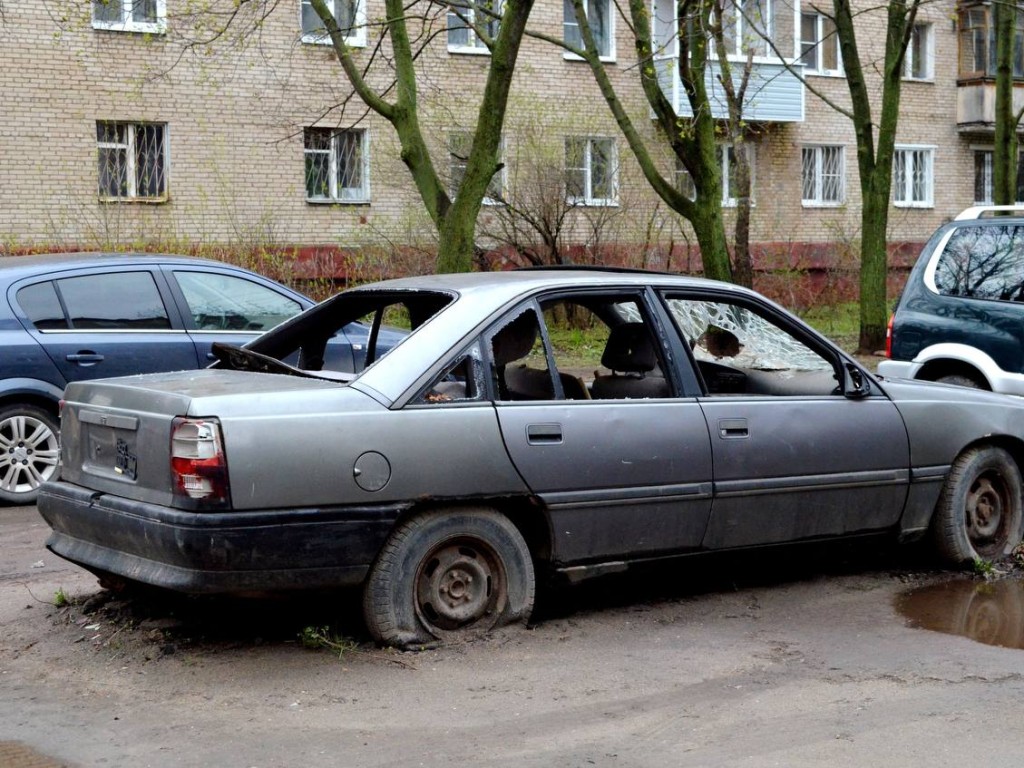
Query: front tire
{"x": 28, "y": 452}
{"x": 960, "y": 380}
{"x": 978, "y": 516}
{"x": 448, "y": 576}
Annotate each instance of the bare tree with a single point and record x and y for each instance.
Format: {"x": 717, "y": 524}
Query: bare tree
{"x": 1007, "y": 17}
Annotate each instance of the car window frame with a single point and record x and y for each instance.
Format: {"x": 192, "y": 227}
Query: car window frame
{"x": 774, "y": 314}
{"x": 185, "y": 311}
{"x": 156, "y": 273}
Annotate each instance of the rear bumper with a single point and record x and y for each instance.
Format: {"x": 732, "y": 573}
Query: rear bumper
{"x": 211, "y": 553}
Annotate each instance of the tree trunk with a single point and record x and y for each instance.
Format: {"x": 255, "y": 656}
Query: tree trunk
{"x": 874, "y": 268}
{"x": 1004, "y": 154}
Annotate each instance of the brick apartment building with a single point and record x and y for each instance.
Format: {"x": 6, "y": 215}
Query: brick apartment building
{"x": 121, "y": 126}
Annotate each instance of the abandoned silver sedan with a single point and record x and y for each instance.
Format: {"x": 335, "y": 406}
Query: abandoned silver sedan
{"x": 558, "y": 421}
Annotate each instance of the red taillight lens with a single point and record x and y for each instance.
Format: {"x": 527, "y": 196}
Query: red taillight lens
{"x": 197, "y": 462}
{"x": 888, "y": 336}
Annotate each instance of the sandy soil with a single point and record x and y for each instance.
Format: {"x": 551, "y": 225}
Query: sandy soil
{"x": 788, "y": 658}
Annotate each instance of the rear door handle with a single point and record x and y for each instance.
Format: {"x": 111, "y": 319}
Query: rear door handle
{"x": 732, "y": 429}
{"x": 85, "y": 358}
{"x": 544, "y": 434}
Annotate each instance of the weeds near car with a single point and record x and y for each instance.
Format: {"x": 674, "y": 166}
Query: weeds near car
{"x": 983, "y": 568}
{"x": 319, "y": 638}
{"x": 60, "y": 598}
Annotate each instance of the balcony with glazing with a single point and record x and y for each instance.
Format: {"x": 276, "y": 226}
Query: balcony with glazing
{"x": 976, "y": 76}
{"x": 773, "y": 94}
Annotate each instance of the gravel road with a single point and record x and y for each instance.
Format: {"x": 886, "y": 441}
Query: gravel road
{"x": 789, "y": 658}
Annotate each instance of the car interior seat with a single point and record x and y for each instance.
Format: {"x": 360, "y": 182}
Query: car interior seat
{"x": 629, "y": 354}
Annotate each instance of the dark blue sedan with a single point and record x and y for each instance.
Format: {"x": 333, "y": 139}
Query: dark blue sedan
{"x": 69, "y": 317}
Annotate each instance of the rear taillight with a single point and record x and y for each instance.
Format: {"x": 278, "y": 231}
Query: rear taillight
{"x": 888, "y": 336}
{"x": 198, "y": 464}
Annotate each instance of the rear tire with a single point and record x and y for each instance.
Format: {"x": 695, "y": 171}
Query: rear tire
{"x": 29, "y": 451}
{"x": 979, "y": 516}
{"x": 448, "y": 576}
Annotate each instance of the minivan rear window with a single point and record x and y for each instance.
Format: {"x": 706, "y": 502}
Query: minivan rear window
{"x": 983, "y": 263}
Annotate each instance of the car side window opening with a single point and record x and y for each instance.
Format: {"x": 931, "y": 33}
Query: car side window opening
{"x": 219, "y": 302}
{"x": 601, "y": 348}
{"x": 461, "y": 382}
{"x": 125, "y": 302}
{"x": 40, "y": 304}
{"x": 741, "y": 352}
{"x": 983, "y": 263}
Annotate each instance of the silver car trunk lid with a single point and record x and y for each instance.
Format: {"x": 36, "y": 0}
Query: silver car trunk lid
{"x": 116, "y": 433}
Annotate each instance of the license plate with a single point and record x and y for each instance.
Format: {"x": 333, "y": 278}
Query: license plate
{"x": 125, "y": 463}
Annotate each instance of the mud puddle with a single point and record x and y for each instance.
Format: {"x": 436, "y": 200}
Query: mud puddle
{"x": 990, "y": 612}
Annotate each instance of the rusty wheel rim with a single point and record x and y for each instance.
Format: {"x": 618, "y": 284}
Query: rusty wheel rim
{"x": 461, "y": 587}
{"x": 987, "y": 514}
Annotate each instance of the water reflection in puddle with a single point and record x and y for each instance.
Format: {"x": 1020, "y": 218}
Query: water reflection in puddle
{"x": 991, "y": 612}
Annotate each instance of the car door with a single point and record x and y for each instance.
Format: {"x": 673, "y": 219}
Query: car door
{"x": 794, "y": 457}
{"x": 100, "y": 323}
{"x": 623, "y": 472}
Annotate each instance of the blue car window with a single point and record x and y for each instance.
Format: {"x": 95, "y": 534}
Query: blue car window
{"x": 220, "y": 302}
{"x": 39, "y": 302}
{"x": 126, "y": 301}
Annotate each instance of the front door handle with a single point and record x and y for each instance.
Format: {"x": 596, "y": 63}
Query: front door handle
{"x": 544, "y": 434}
{"x": 732, "y": 429}
{"x": 85, "y": 358}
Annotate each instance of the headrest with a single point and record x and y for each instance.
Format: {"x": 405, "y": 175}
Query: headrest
{"x": 629, "y": 349}
{"x": 515, "y": 340}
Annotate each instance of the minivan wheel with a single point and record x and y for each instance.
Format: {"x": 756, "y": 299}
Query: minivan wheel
{"x": 28, "y": 452}
{"x": 960, "y": 380}
{"x": 979, "y": 514}
{"x": 448, "y": 576}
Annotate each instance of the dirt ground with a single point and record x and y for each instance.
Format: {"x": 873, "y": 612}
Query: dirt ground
{"x": 792, "y": 657}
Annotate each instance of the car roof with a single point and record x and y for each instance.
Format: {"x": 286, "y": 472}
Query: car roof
{"x": 14, "y": 267}
{"x": 483, "y": 294}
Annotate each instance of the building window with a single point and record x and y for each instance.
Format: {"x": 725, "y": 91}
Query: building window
{"x": 819, "y": 45}
{"x": 912, "y": 171}
{"x": 918, "y": 62}
{"x": 684, "y": 181}
{"x": 823, "y": 175}
{"x": 467, "y": 20}
{"x": 460, "y": 143}
{"x": 599, "y": 15}
{"x": 132, "y": 161}
{"x": 130, "y": 15}
{"x": 984, "y": 177}
{"x": 978, "y": 43}
{"x": 747, "y": 26}
{"x": 590, "y": 171}
{"x": 337, "y": 166}
{"x": 726, "y": 156}
{"x": 349, "y": 14}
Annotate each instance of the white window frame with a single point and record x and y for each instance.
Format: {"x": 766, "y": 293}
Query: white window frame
{"x": 909, "y": 63}
{"x": 457, "y": 168}
{"x": 902, "y": 194}
{"x": 741, "y": 42}
{"x": 817, "y": 46}
{"x": 588, "y": 198}
{"x": 989, "y": 171}
{"x": 131, "y": 166}
{"x": 569, "y": 21}
{"x": 723, "y": 151}
{"x": 126, "y": 23}
{"x": 475, "y": 44}
{"x": 338, "y": 194}
{"x": 684, "y": 182}
{"x": 356, "y": 39}
{"x": 818, "y": 152}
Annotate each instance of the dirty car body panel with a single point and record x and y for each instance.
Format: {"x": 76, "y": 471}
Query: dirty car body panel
{"x": 486, "y": 443}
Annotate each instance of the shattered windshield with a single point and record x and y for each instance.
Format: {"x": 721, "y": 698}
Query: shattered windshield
{"x": 341, "y": 337}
